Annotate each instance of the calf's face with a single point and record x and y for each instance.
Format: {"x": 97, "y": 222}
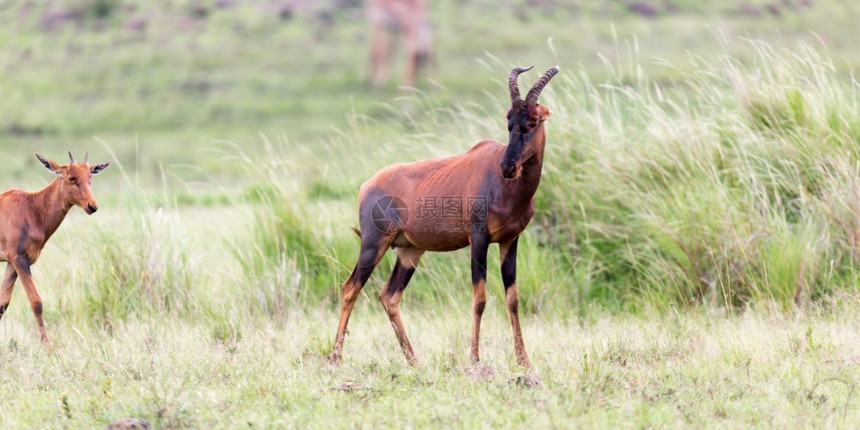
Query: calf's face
{"x": 76, "y": 179}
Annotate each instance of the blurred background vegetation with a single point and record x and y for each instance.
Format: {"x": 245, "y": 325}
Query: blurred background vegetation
{"x": 164, "y": 84}
{"x": 699, "y": 151}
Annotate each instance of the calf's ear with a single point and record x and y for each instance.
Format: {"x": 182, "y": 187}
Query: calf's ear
{"x": 95, "y": 170}
{"x": 52, "y": 166}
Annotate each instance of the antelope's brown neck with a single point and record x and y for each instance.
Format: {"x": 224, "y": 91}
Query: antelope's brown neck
{"x": 52, "y": 207}
{"x": 528, "y": 181}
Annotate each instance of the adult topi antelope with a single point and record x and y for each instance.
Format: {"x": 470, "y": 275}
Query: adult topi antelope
{"x": 481, "y": 197}
{"x": 27, "y": 221}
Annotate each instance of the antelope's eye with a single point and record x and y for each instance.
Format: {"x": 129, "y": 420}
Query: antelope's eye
{"x": 73, "y": 180}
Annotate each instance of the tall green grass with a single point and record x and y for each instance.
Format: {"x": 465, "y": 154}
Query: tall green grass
{"x": 137, "y": 261}
{"x": 733, "y": 187}
{"x": 728, "y": 187}
{"x": 290, "y": 255}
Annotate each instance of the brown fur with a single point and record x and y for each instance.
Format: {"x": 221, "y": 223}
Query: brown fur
{"x": 28, "y": 219}
{"x": 504, "y": 177}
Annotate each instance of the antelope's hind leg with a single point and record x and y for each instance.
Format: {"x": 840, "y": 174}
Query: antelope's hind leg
{"x": 392, "y": 292}
{"x": 373, "y": 247}
{"x": 6, "y": 288}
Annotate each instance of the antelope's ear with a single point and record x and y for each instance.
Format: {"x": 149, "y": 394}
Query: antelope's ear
{"x": 50, "y": 165}
{"x": 544, "y": 113}
{"x": 95, "y": 170}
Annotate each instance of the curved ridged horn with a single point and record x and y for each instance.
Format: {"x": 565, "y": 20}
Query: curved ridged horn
{"x": 512, "y": 82}
{"x": 533, "y": 94}
{"x": 71, "y": 159}
{"x": 86, "y": 158}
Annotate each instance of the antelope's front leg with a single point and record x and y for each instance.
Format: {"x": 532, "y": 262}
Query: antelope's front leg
{"x": 480, "y": 243}
{"x": 508, "y": 254}
{"x": 22, "y": 266}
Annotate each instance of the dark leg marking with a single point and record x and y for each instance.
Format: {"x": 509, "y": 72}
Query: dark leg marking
{"x": 23, "y": 265}
{"x": 480, "y": 244}
{"x": 509, "y": 264}
{"x": 23, "y": 260}
{"x": 400, "y": 277}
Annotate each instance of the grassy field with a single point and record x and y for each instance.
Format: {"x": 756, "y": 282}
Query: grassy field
{"x": 693, "y": 260}
{"x": 698, "y": 369}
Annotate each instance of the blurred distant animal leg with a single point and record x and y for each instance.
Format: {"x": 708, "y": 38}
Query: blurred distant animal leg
{"x": 22, "y": 266}
{"x": 392, "y": 292}
{"x": 480, "y": 244}
{"x": 380, "y": 53}
{"x": 373, "y": 247}
{"x": 428, "y": 58}
{"x": 508, "y": 255}
{"x": 6, "y": 287}
{"x": 410, "y": 69}
{"x": 418, "y": 47}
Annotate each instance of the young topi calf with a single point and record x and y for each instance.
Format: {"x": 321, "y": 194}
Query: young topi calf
{"x": 27, "y": 221}
{"x": 481, "y": 197}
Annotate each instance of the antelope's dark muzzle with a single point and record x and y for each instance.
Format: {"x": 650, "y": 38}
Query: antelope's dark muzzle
{"x": 508, "y": 170}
